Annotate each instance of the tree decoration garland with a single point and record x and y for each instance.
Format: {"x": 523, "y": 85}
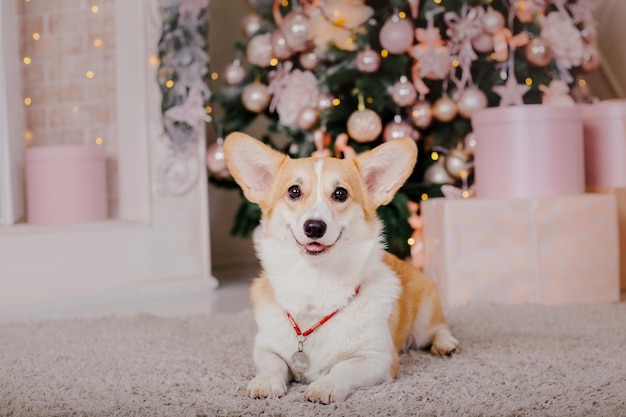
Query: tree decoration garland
{"x": 184, "y": 70}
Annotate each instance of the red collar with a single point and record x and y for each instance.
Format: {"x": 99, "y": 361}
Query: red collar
{"x": 324, "y": 319}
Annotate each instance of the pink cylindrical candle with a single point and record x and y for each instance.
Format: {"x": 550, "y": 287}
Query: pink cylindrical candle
{"x": 66, "y": 184}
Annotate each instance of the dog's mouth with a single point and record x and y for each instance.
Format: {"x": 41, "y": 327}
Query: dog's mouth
{"x": 316, "y": 248}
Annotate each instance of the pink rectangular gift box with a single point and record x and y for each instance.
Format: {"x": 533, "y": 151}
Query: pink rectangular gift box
{"x": 549, "y": 250}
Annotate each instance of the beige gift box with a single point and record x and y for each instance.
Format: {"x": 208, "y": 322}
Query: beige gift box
{"x": 549, "y": 250}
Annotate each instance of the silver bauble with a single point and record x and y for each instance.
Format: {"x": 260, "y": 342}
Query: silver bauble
{"x": 403, "y": 92}
{"x": 251, "y": 24}
{"x": 364, "y": 125}
{"x": 368, "y": 60}
{"x": 456, "y": 163}
{"x": 297, "y": 30}
{"x": 444, "y": 109}
{"x": 471, "y": 100}
{"x": 255, "y": 97}
{"x": 437, "y": 173}
{"x": 259, "y": 50}
{"x": 538, "y": 52}
{"x": 421, "y": 114}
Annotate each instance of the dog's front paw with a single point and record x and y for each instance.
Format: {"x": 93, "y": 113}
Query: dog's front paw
{"x": 324, "y": 392}
{"x": 443, "y": 343}
{"x": 266, "y": 386}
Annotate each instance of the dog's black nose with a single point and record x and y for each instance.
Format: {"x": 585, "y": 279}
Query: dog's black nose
{"x": 314, "y": 228}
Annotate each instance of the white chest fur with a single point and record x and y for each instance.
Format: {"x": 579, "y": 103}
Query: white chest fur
{"x": 361, "y": 325}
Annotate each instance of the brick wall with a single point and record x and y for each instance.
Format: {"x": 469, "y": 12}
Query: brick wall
{"x": 69, "y": 82}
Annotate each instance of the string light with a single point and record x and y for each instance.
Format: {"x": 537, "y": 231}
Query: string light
{"x": 214, "y": 76}
{"x": 434, "y": 156}
{"x": 95, "y": 9}
{"x": 26, "y": 60}
{"x": 36, "y": 36}
{"x": 98, "y": 141}
{"x": 28, "y": 101}
{"x": 90, "y": 74}
{"x": 28, "y": 137}
{"x": 410, "y": 241}
{"x": 169, "y": 84}
{"x": 336, "y": 102}
{"x": 424, "y": 197}
{"x": 274, "y": 62}
{"x": 402, "y": 15}
{"x": 154, "y": 61}
{"x": 384, "y": 53}
{"x": 529, "y": 81}
{"x": 97, "y": 42}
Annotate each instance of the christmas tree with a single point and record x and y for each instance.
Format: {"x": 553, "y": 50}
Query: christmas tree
{"x": 338, "y": 77}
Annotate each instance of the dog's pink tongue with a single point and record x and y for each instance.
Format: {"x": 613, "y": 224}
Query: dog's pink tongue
{"x": 314, "y": 247}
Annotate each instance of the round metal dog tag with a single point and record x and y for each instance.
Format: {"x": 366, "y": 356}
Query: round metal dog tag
{"x": 299, "y": 362}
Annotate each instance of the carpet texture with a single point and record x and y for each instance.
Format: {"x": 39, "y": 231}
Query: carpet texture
{"x": 513, "y": 361}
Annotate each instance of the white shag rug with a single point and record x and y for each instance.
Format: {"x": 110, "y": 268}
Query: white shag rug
{"x": 514, "y": 361}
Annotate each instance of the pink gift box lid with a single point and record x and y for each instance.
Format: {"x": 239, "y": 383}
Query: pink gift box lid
{"x": 536, "y": 112}
{"x": 64, "y": 152}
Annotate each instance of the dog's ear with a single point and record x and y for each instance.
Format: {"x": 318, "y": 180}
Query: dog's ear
{"x": 252, "y": 164}
{"x": 386, "y": 167}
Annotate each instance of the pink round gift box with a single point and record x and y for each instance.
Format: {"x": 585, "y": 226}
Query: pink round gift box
{"x": 528, "y": 151}
{"x": 66, "y": 184}
{"x": 605, "y": 143}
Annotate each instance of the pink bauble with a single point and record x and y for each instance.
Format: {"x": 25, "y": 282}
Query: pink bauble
{"x": 279, "y": 45}
{"x": 297, "y": 30}
{"x": 259, "y": 50}
{"x": 234, "y": 73}
{"x": 591, "y": 58}
{"x": 250, "y": 24}
{"x": 397, "y": 129}
{"x": 492, "y": 21}
{"x": 396, "y": 35}
{"x": 364, "y": 125}
{"x": 403, "y": 92}
{"x": 444, "y": 109}
{"x": 368, "y": 61}
{"x": 309, "y": 60}
{"x": 255, "y": 97}
{"x": 308, "y": 118}
{"x": 483, "y": 43}
{"x": 470, "y": 101}
{"x": 421, "y": 114}
{"x": 216, "y": 161}
{"x": 538, "y": 52}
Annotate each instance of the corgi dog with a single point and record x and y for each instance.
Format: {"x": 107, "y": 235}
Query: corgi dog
{"x": 333, "y": 309}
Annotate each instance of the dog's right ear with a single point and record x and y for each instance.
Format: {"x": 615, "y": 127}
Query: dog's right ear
{"x": 253, "y": 165}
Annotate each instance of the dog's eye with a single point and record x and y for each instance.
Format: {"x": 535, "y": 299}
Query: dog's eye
{"x": 340, "y": 194}
{"x": 294, "y": 192}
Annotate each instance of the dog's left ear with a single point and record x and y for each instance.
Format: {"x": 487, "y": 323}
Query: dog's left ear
{"x": 386, "y": 167}
{"x": 253, "y": 165}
